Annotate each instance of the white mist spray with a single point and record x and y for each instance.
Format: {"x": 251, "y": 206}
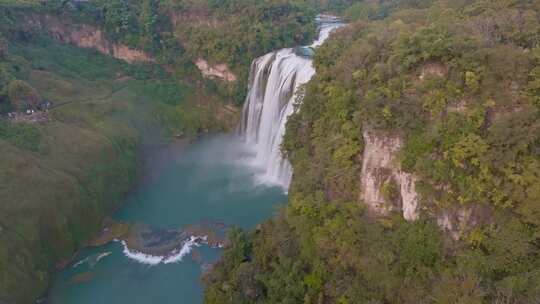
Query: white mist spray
{"x": 273, "y": 82}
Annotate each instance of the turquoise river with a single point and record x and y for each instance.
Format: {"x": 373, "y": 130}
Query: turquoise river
{"x": 210, "y": 180}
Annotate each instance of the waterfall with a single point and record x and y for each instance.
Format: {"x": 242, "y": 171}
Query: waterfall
{"x": 273, "y": 81}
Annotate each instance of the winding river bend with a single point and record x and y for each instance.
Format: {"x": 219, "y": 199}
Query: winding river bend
{"x": 194, "y": 191}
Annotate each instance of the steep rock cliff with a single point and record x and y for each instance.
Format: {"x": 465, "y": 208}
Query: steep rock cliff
{"x": 220, "y": 71}
{"x": 385, "y": 187}
{"x": 86, "y": 36}
{"x": 381, "y": 169}
{"x": 457, "y": 221}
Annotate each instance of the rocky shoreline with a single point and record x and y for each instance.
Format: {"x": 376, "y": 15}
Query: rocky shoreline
{"x": 152, "y": 245}
{"x": 157, "y": 244}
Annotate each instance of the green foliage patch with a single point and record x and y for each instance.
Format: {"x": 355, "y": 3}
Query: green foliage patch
{"x": 21, "y": 135}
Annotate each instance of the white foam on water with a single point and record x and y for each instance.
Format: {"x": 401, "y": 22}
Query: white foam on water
{"x": 140, "y": 257}
{"x": 174, "y": 257}
{"x": 328, "y": 24}
{"x": 92, "y": 260}
{"x": 79, "y": 263}
{"x": 103, "y": 255}
{"x": 185, "y": 250}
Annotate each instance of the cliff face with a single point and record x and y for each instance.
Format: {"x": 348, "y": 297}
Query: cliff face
{"x": 384, "y": 187}
{"x": 457, "y": 221}
{"x": 220, "y": 71}
{"x": 197, "y": 19}
{"x": 86, "y": 36}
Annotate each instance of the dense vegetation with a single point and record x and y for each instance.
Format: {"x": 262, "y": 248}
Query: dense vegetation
{"x": 61, "y": 177}
{"x": 458, "y": 82}
{"x": 63, "y": 170}
{"x": 178, "y": 32}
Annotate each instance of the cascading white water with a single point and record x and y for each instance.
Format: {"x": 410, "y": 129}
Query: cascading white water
{"x": 273, "y": 82}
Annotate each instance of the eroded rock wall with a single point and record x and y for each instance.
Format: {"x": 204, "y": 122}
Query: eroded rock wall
{"x": 220, "y": 71}
{"x": 87, "y": 36}
{"x": 380, "y": 166}
{"x": 456, "y": 221}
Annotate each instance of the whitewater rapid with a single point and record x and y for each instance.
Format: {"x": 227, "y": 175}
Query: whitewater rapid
{"x": 175, "y": 256}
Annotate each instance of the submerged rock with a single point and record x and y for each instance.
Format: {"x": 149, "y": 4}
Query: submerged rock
{"x": 196, "y": 256}
{"x": 155, "y": 241}
{"x": 82, "y": 278}
{"x": 214, "y": 233}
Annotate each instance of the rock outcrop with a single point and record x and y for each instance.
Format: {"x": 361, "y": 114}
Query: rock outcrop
{"x": 457, "y": 221}
{"x": 219, "y": 71}
{"x": 380, "y": 168}
{"x": 87, "y": 36}
{"x": 386, "y": 188}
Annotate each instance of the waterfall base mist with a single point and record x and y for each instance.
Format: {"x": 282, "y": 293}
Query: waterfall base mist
{"x": 210, "y": 180}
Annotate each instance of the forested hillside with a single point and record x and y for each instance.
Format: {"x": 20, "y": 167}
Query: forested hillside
{"x": 416, "y": 148}
{"x": 227, "y": 32}
{"x": 420, "y": 110}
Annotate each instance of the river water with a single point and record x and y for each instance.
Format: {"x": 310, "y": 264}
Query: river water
{"x": 211, "y": 180}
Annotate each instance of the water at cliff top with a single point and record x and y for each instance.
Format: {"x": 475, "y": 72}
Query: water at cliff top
{"x": 273, "y": 83}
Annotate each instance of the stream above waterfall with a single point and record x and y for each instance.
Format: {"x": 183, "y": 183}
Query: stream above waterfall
{"x": 191, "y": 195}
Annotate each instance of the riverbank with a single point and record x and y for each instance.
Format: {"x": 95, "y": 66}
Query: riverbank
{"x": 151, "y": 160}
